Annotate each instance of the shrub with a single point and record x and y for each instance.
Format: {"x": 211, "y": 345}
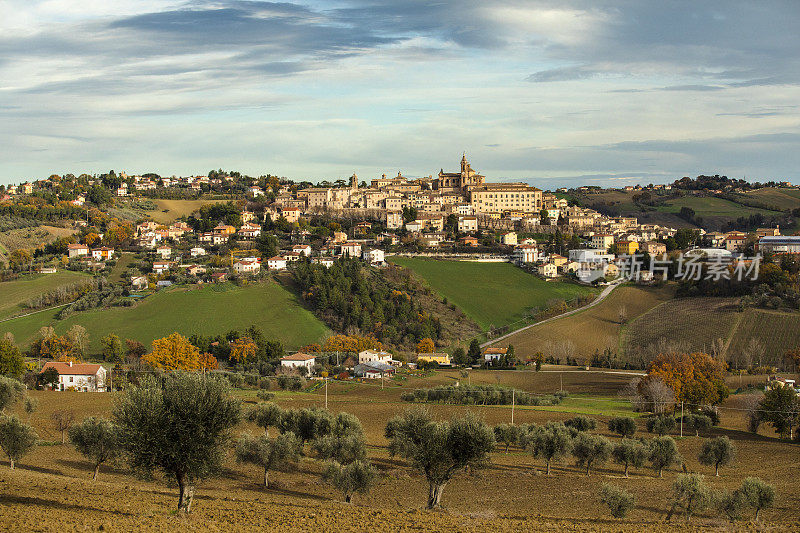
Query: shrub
{"x": 265, "y": 396}
{"x": 619, "y": 501}
{"x": 624, "y": 426}
{"x": 731, "y": 504}
{"x": 507, "y": 434}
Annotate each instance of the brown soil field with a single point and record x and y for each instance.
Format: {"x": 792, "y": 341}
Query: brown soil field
{"x": 52, "y": 490}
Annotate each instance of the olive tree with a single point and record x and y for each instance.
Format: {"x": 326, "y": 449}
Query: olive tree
{"x": 439, "y": 449}
{"x": 16, "y": 438}
{"x": 717, "y": 452}
{"x": 697, "y": 423}
{"x": 619, "y": 501}
{"x": 590, "y": 450}
{"x": 97, "y": 439}
{"x": 267, "y": 453}
{"x": 690, "y": 495}
{"x": 345, "y": 443}
{"x": 307, "y": 423}
{"x": 550, "y": 442}
{"x": 661, "y": 424}
{"x": 730, "y": 503}
{"x": 266, "y": 415}
{"x": 624, "y": 426}
{"x": 758, "y": 494}
{"x": 11, "y": 391}
{"x": 507, "y": 434}
{"x": 180, "y": 428}
{"x": 581, "y": 423}
{"x": 356, "y": 477}
{"x": 630, "y": 452}
{"x": 663, "y": 453}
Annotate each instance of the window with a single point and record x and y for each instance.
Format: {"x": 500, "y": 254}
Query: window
{"x": 70, "y": 379}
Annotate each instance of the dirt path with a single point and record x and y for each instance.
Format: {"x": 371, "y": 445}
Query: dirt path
{"x": 602, "y": 296}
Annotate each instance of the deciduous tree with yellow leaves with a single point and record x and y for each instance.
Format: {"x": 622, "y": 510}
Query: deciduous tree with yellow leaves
{"x": 174, "y": 352}
{"x": 425, "y": 346}
{"x": 243, "y": 349}
{"x": 696, "y": 378}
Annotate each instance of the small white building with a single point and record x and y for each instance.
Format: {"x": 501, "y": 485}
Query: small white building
{"x": 276, "y": 263}
{"x": 526, "y": 253}
{"x": 197, "y": 251}
{"x": 246, "y": 266}
{"x": 467, "y": 224}
{"x": 77, "y": 250}
{"x": 510, "y": 238}
{"x": 371, "y": 356}
{"x": 82, "y": 377}
{"x": 298, "y": 360}
{"x": 139, "y": 282}
{"x": 302, "y": 249}
{"x": 159, "y": 267}
{"x": 373, "y": 256}
{"x": 164, "y": 251}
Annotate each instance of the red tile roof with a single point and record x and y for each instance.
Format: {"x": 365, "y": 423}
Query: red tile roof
{"x": 75, "y": 369}
{"x": 299, "y": 356}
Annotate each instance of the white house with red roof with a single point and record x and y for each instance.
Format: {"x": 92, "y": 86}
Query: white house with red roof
{"x": 276, "y": 263}
{"x": 82, "y": 377}
{"x": 298, "y": 360}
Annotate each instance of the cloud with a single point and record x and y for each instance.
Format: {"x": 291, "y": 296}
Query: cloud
{"x": 562, "y": 74}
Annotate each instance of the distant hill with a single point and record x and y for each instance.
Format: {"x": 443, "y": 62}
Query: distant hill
{"x": 214, "y": 309}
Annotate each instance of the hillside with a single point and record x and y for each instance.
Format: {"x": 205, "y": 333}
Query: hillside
{"x": 14, "y": 293}
{"x": 597, "y": 328}
{"x": 699, "y": 322}
{"x": 29, "y": 238}
{"x": 491, "y": 294}
{"x": 211, "y": 310}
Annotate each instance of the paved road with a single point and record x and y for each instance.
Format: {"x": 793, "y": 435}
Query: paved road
{"x": 602, "y": 296}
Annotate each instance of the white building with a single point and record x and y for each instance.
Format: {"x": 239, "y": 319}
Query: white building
{"x": 298, "y": 360}
{"x": 371, "y": 356}
{"x": 526, "y": 253}
{"x": 82, "y": 377}
{"x": 467, "y": 224}
{"x": 197, "y": 251}
{"x": 373, "y": 256}
{"x": 780, "y": 244}
{"x": 276, "y": 263}
{"x": 164, "y": 251}
{"x": 246, "y": 266}
{"x": 510, "y": 238}
{"x": 589, "y": 255}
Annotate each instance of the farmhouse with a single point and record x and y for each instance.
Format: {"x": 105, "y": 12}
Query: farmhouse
{"x": 373, "y": 370}
{"x": 102, "y": 253}
{"x": 373, "y": 256}
{"x": 246, "y": 266}
{"x": 276, "y": 263}
{"x": 159, "y": 267}
{"x": 164, "y": 251}
{"x": 81, "y": 377}
{"x": 371, "y": 356}
{"x": 77, "y": 250}
{"x": 494, "y": 354}
{"x": 440, "y": 358}
{"x": 299, "y": 359}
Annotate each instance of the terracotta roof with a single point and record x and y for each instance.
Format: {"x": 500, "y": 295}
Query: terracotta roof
{"x": 77, "y": 369}
{"x": 299, "y": 356}
{"x": 496, "y": 350}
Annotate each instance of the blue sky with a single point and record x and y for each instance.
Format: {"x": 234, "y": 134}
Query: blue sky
{"x": 554, "y": 92}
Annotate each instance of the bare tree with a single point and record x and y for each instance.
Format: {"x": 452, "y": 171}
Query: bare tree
{"x": 717, "y": 349}
{"x": 62, "y": 420}
{"x": 622, "y": 313}
{"x": 752, "y": 352}
{"x": 655, "y": 396}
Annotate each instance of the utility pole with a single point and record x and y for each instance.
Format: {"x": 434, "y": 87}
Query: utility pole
{"x": 326, "y": 393}
{"x": 561, "y": 380}
{"x": 681, "y": 419}
{"x": 513, "y": 391}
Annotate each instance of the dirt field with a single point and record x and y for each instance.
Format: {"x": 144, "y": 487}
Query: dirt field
{"x": 51, "y": 489}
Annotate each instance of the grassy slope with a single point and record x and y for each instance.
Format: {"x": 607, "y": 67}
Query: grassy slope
{"x": 14, "y": 293}
{"x": 492, "y": 294}
{"x": 177, "y": 208}
{"x": 594, "y": 329}
{"x": 211, "y": 310}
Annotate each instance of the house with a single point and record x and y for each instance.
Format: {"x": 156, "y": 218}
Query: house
{"x": 225, "y": 229}
{"x": 559, "y": 260}
{"x": 195, "y": 270}
{"x": 164, "y": 251}
{"x": 159, "y": 267}
{"x": 291, "y": 214}
{"x": 298, "y": 360}
{"x": 548, "y": 270}
{"x": 139, "y": 282}
{"x": 250, "y": 231}
{"x": 627, "y": 247}
{"x": 415, "y": 226}
{"x": 602, "y": 241}
{"x": 526, "y": 253}
{"x": 394, "y": 219}
{"x": 303, "y": 249}
{"x": 219, "y": 277}
{"x": 769, "y": 232}
{"x": 371, "y": 356}
{"x": 493, "y": 354}
{"x": 197, "y": 251}
{"x": 255, "y": 191}
{"x": 373, "y": 370}
{"x": 776, "y": 382}
{"x": 82, "y": 377}
{"x": 46, "y": 270}
{"x": 509, "y": 239}
{"x": 327, "y": 262}
{"x": 373, "y": 256}
{"x": 654, "y": 248}
{"x": 350, "y": 249}
{"x": 77, "y": 250}
{"x": 103, "y": 253}
{"x": 735, "y": 242}
{"x": 339, "y": 236}
{"x": 276, "y": 263}
{"x": 442, "y": 359}
{"x": 467, "y": 224}
{"x": 469, "y": 240}
{"x": 246, "y": 266}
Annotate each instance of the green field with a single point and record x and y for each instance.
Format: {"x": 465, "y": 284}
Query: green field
{"x": 709, "y": 206}
{"x": 211, "y": 310}
{"x": 594, "y": 329}
{"x": 491, "y": 294}
{"x": 14, "y": 293}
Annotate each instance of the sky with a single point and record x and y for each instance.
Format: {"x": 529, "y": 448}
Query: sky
{"x": 556, "y": 93}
